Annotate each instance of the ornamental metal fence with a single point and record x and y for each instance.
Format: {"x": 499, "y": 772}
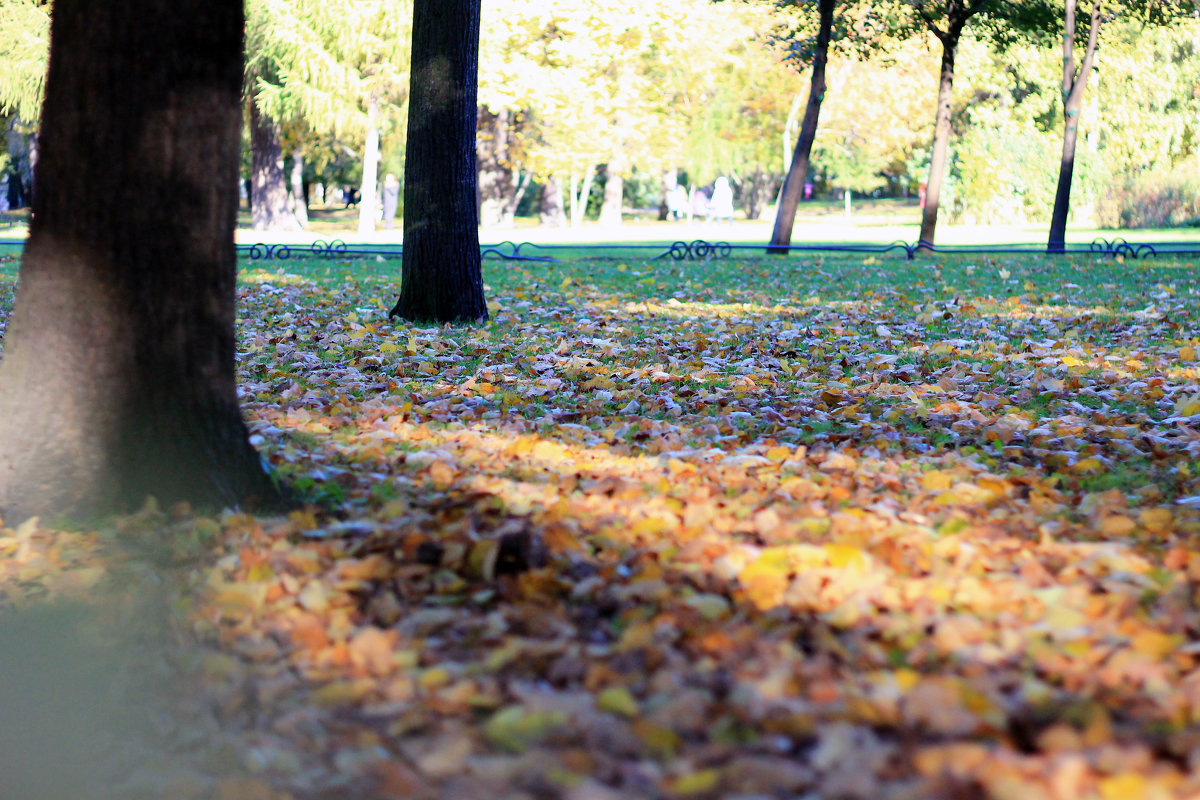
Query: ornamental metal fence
{"x": 703, "y": 250}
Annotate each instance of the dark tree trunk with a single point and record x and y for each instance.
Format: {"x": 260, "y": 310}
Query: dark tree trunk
{"x": 269, "y": 206}
{"x": 958, "y": 13}
{"x": 442, "y": 277}
{"x": 793, "y": 184}
{"x": 552, "y": 212}
{"x": 941, "y": 138}
{"x": 117, "y": 381}
{"x": 299, "y": 195}
{"x": 1073, "y": 86}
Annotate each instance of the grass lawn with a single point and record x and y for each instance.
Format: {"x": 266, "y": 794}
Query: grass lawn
{"x": 824, "y": 526}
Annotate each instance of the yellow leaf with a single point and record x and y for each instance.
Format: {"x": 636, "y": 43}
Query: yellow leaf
{"x": 699, "y": 782}
{"x": 660, "y": 741}
{"x": 340, "y": 693}
{"x": 441, "y": 473}
{"x": 844, "y": 556}
{"x": 906, "y": 679}
{"x": 1117, "y": 525}
{"x": 778, "y": 454}
{"x": 434, "y": 678}
{"x": 1187, "y": 353}
{"x": 1061, "y": 618}
{"x": 388, "y": 347}
{"x": 1156, "y": 520}
{"x": 765, "y": 582}
{"x": 1087, "y": 465}
{"x": 235, "y": 597}
{"x": 618, "y": 700}
{"x": 1155, "y": 644}
{"x": 937, "y": 481}
{"x": 515, "y": 729}
{"x": 1187, "y": 406}
{"x": 1125, "y": 786}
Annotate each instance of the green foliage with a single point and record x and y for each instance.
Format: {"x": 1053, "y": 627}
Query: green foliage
{"x": 1156, "y": 199}
{"x": 24, "y": 45}
{"x": 324, "y": 62}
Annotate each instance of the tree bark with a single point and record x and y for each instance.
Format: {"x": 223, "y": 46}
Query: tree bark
{"x": 756, "y": 192}
{"x": 550, "y": 212}
{"x": 797, "y": 174}
{"x": 368, "y": 203}
{"x": 1073, "y": 86}
{"x": 941, "y": 136}
{"x": 117, "y": 381}
{"x": 299, "y": 196}
{"x": 442, "y": 275}
{"x": 508, "y": 214}
{"x": 496, "y": 180}
{"x": 614, "y": 194}
{"x": 269, "y": 206}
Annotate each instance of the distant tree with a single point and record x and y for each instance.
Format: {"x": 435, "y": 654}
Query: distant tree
{"x": 858, "y": 28}
{"x": 946, "y": 20}
{"x": 117, "y": 380}
{"x": 1075, "y": 81}
{"x": 797, "y": 174}
{"x": 442, "y": 276}
{"x": 337, "y": 65}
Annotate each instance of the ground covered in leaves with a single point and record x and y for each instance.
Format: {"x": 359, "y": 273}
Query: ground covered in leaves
{"x": 754, "y": 528}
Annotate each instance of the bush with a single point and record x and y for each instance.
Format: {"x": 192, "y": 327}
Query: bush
{"x": 1154, "y": 199}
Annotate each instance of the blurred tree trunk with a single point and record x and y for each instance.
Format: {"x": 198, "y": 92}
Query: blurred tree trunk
{"x": 269, "y": 206}
{"x": 551, "y": 213}
{"x": 497, "y": 183}
{"x": 117, "y": 381}
{"x": 797, "y": 174}
{"x": 442, "y": 276}
{"x": 756, "y": 192}
{"x": 368, "y": 202}
{"x": 580, "y": 195}
{"x": 299, "y": 196}
{"x": 614, "y": 192}
{"x": 1073, "y": 86}
{"x": 957, "y": 13}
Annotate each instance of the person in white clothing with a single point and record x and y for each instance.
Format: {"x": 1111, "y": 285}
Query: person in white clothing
{"x": 720, "y": 205}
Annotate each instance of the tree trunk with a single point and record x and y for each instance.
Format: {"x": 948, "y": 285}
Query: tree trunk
{"x": 442, "y": 276}
{"x": 579, "y": 200}
{"x": 117, "y": 381}
{"x": 793, "y": 184}
{"x": 756, "y": 192}
{"x": 269, "y": 206}
{"x": 496, "y": 179}
{"x": 614, "y": 191}
{"x": 299, "y": 196}
{"x": 368, "y": 204}
{"x": 508, "y": 215}
{"x": 1073, "y": 86}
{"x": 550, "y": 211}
{"x": 941, "y": 137}
{"x": 668, "y": 180}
